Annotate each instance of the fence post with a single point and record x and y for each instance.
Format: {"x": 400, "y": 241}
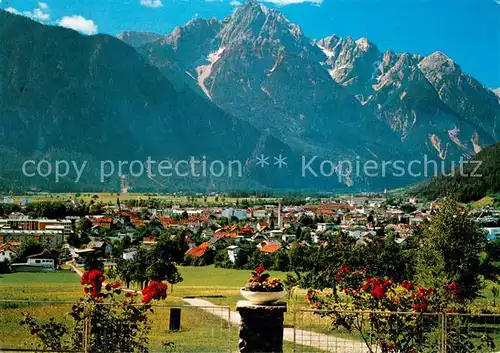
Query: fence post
{"x": 444, "y": 323}
{"x": 228, "y": 330}
{"x": 175, "y": 319}
{"x": 261, "y": 327}
{"x": 294, "y": 329}
{"x": 86, "y": 329}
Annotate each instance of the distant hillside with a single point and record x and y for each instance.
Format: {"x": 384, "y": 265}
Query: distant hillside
{"x": 467, "y": 187}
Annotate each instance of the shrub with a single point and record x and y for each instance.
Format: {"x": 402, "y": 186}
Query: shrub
{"x": 100, "y": 319}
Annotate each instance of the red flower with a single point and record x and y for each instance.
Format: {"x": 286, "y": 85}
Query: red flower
{"x": 116, "y": 284}
{"x": 96, "y": 275}
{"x": 454, "y": 289}
{"x": 343, "y": 270}
{"x": 154, "y": 290}
{"x": 147, "y": 298}
{"x": 387, "y": 283}
{"x": 260, "y": 269}
{"x": 92, "y": 278}
{"x": 407, "y": 285}
{"x": 378, "y": 292}
{"x": 130, "y": 294}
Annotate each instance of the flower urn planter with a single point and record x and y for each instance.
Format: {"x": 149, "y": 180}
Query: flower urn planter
{"x": 261, "y": 298}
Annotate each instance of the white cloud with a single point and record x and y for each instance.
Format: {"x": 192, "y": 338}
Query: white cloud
{"x": 41, "y": 13}
{"x": 78, "y": 23}
{"x": 152, "y": 3}
{"x": 498, "y": 2}
{"x": 293, "y": 2}
{"x": 235, "y": 3}
{"x": 12, "y": 10}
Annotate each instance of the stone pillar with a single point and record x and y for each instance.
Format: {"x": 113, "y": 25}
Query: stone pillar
{"x": 261, "y": 327}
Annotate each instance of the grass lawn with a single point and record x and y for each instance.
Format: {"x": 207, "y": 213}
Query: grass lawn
{"x": 45, "y": 286}
{"x": 485, "y": 201}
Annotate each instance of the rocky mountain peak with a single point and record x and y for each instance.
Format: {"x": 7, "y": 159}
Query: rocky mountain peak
{"x": 254, "y": 21}
{"x": 137, "y": 39}
{"x": 364, "y": 44}
{"x": 197, "y": 30}
{"x": 439, "y": 61}
{"x": 329, "y": 42}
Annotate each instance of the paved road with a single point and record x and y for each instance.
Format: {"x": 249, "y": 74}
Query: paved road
{"x": 320, "y": 341}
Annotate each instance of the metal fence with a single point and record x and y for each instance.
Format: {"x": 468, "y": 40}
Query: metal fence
{"x": 363, "y": 332}
{"x": 202, "y": 329}
{"x": 208, "y": 330}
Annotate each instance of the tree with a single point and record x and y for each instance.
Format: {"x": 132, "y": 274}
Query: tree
{"x": 92, "y": 262}
{"x": 124, "y": 270}
{"x": 84, "y": 229}
{"x": 281, "y": 261}
{"x": 27, "y": 248}
{"x": 451, "y": 244}
{"x": 74, "y": 240}
{"x": 160, "y": 262}
{"x": 298, "y": 233}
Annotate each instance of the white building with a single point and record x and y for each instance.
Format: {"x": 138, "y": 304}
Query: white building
{"x": 129, "y": 254}
{"x": 6, "y": 255}
{"x": 492, "y": 232}
{"x": 232, "y": 252}
{"x": 323, "y": 227}
{"x": 232, "y": 212}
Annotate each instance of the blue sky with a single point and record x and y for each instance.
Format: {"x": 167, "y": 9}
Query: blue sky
{"x": 466, "y": 30}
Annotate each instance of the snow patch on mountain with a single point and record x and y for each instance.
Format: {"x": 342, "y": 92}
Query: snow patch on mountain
{"x": 204, "y": 71}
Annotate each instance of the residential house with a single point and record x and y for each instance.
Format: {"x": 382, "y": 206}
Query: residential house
{"x": 199, "y": 251}
{"x": 263, "y": 225}
{"x": 128, "y": 254}
{"x": 6, "y": 253}
{"x": 149, "y": 241}
{"x": 233, "y": 251}
{"x": 102, "y": 246}
{"x": 492, "y": 233}
{"x": 269, "y": 247}
{"x": 232, "y": 212}
{"x": 323, "y": 227}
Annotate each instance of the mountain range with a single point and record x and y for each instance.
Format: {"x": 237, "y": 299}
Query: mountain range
{"x": 249, "y": 85}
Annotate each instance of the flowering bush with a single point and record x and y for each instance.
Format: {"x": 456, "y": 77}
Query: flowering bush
{"x": 154, "y": 290}
{"x": 92, "y": 282}
{"x": 262, "y": 282}
{"x": 399, "y": 315}
{"x": 113, "y": 325}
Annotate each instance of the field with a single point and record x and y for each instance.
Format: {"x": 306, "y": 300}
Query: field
{"x": 110, "y": 198}
{"x": 484, "y": 202}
